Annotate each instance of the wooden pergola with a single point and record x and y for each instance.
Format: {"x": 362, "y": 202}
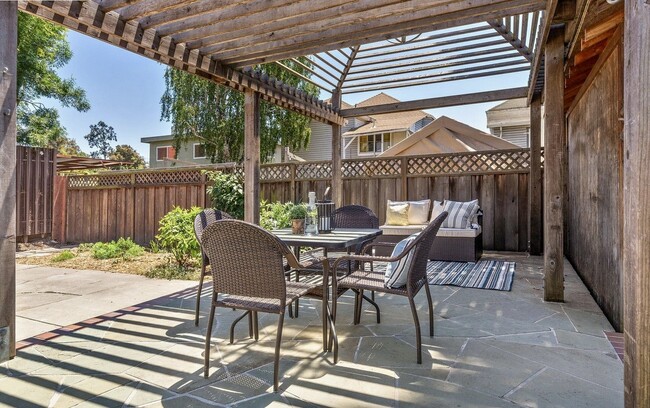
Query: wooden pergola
{"x": 368, "y": 45}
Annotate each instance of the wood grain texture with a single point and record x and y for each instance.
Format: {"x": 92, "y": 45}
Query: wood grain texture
{"x": 636, "y": 256}
{"x": 594, "y": 216}
{"x": 8, "y": 33}
{"x": 554, "y": 174}
{"x": 337, "y": 174}
{"x": 252, "y": 157}
{"x": 535, "y": 230}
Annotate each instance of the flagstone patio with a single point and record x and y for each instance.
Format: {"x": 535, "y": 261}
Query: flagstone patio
{"x": 491, "y": 349}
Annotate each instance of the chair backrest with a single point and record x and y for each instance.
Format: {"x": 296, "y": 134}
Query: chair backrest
{"x": 246, "y": 260}
{"x": 354, "y": 216}
{"x": 207, "y": 217}
{"x": 417, "y": 274}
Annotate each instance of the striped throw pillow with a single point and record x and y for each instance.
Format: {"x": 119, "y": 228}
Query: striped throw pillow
{"x": 396, "y": 274}
{"x": 460, "y": 213}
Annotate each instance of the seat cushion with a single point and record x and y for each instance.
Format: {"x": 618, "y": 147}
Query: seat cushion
{"x": 458, "y": 232}
{"x": 402, "y": 229}
{"x": 396, "y": 274}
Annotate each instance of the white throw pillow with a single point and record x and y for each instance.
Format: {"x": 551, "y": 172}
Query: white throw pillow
{"x": 419, "y": 211}
{"x": 438, "y": 208}
{"x": 460, "y": 213}
{"x": 396, "y": 274}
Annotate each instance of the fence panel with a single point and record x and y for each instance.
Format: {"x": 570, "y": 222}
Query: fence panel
{"x": 109, "y": 205}
{"x": 35, "y": 170}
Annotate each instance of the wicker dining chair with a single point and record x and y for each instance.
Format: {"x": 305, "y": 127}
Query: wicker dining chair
{"x": 362, "y": 279}
{"x": 248, "y": 273}
{"x": 201, "y": 221}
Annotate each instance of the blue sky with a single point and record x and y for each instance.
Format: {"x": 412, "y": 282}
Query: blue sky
{"x": 124, "y": 90}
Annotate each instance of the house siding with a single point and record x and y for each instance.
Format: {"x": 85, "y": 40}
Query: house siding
{"x": 184, "y": 155}
{"x": 518, "y": 135}
{"x": 320, "y": 142}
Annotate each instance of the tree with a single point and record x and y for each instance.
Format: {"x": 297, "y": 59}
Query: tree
{"x": 201, "y": 109}
{"x": 99, "y": 138}
{"x": 42, "y": 49}
{"x": 127, "y": 153}
{"x": 69, "y": 147}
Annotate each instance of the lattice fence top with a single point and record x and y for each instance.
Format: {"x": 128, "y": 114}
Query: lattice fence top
{"x": 469, "y": 163}
{"x": 503, "y": 161}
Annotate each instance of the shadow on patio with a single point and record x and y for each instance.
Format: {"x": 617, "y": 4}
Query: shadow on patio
{"x": 491, "y": 349}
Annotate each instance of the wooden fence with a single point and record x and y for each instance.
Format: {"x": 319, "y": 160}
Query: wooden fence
{"x": 110, "y": 205}
{"x": 35, "y": 171}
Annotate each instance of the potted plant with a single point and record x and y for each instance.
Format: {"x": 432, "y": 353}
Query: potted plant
{"x": 297, "y": 213}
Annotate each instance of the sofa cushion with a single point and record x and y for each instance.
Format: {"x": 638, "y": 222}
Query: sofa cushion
{"x": 402, "y": 229}
{"x": 396, "y": 274}
{"x": 460, "y": 213}
{"x": 442, "y": 232}
{"x": 418, "y": 211}
{"x": 438, "y": 208}
{"x": 397, "y": 213}
{"x": 459, "y": 233}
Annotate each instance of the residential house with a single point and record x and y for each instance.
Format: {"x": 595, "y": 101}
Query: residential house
{"x": 365, "y": 136}
{"x": 446, "y": 135}
{"x": 163, "y": 154}
{"x": 510, "y": 121}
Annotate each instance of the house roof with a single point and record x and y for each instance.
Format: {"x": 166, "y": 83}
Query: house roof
{"x": 518, "y": 103}
{"x": 446, "y": 135}
{"x": 388, "y": 122}
{"x": 153, "y": 139}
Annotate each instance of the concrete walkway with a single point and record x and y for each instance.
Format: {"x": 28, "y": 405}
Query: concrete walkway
{"x": 49, "y": 298}
{"x": 491, "y": 349}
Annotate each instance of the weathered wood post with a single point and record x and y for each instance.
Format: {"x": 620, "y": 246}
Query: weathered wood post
{"x": 535, "y": 185}
{"x": 8, "y": 49}
{"x": 554, "y": 174}
{"x": 337, "y": 179}
{"x": 636, "y": 197}
{"x": 252, "y": 156}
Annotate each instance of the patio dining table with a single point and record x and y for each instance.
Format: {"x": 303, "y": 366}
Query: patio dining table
{"x": 337, "y": 239}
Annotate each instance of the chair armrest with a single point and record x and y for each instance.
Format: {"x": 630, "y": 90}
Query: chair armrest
{"x": 378, "y": 244}
{"x": 366, "y": 258}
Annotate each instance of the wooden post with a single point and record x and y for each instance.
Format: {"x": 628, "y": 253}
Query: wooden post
{"x": 404, "y": 179}
{"x": 8, "y": 49}
{"x": 292, "y": 183}
{"x": 554, "y": 174}
{"x": 252, "y": 157}
{"x": 337, "y": 176}
{"x": 636, "y": 198}
{"x": 535, "y": 184}
{"x": 59, "y": 209}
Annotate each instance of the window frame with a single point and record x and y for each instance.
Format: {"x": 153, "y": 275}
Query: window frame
{"x": 375, "y": 137}
{"x": 167, "y": 149}
{"x": 194, "y": 156}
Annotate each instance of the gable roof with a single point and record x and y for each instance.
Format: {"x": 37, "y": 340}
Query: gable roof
{"x": 446, "y": 135}
{"x": 387, "y": 122}
{"x": 518, "y": 103}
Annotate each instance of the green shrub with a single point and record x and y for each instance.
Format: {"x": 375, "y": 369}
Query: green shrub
{"x": 275, "y": 215}
{"x": 170, "y": 271}
{"x": 227, "y": 193}
{"x": 123, "y": 248}
{"x": 298, "y": 211}
{"x": 176, "y": 234}
{"x": 64, "y": 256}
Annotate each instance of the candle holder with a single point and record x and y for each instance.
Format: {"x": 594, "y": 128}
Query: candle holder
{"x": 324, "y": 211}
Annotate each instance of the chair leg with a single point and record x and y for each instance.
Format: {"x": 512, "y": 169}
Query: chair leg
{"x": 418, "y": 339}
{"x": 278, "y": 342}
{"x": 325, "y": 315}
{"x": 206, "y": 365}
{"x": 333, "y": 336}
{"x": 232, "y": 326}
{"x": 256, "y": 329}
{"x": 428, "y": 291}
{"x": 198, "y": 295}
{"x": 251, "y": 328}
{"x": 372, "y": 302}
{"x": 297, "y": 301}
{"x": 357, "y": 307}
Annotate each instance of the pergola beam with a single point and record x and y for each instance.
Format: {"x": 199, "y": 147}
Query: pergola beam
{"x": 8, "y": 77}
{"x": 432, "y": 103}
{"x": 511, "y": 37}
{"x": 87, "y": 18}
{"x": 432, "y": 18}
{"x": 251, "y": 157}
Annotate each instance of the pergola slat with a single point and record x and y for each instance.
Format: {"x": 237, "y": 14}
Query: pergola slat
{"x": 149, "y": 7}
{"x": 375, "y": 31}
{"x": 185, "y": 12}
{"x": 92, "y": 21}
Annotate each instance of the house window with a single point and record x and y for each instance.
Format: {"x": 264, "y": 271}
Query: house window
{"x": 374, "y": 144}
{"x": 199, "y": 151}
{"x": 165, "y": 152}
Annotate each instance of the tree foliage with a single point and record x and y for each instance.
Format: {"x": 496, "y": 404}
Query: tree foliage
{"x": 200, "y": 109}
{"x": 100, "y": 137}
{"x": 127, "y": 153}
{"x": 42, "y": 49}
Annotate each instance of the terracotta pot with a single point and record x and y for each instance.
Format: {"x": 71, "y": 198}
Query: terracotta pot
{"x": 298, "y": 226}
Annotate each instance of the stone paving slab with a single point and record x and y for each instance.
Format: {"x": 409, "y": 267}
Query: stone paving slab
{"x": 490, "y": 349}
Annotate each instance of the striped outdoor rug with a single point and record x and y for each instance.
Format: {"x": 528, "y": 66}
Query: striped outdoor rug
{"x": 496, "y": 275}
